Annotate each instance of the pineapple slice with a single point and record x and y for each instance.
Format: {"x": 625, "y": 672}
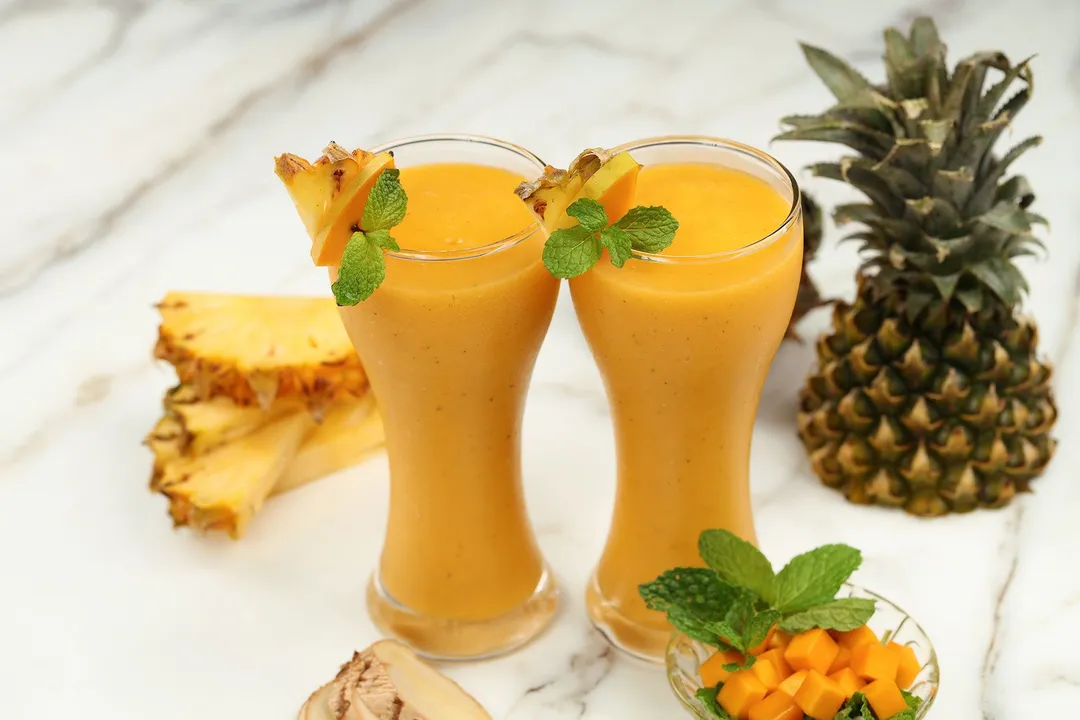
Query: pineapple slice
{"x": 330, "y": 194}
{"x": 255, "y": 349}
{"x": 193, "y": 427}
{"x": 224, "y": 488}
{"x": 349, "y": 433}
{"x": 597, "y": 174}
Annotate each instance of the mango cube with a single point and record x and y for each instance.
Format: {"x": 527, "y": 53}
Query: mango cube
{"x": 812, "y": 650}
{"x": 873, "y": 662}
{"x": 792, "y": 683}
{"x": 848, "y": 681}
{"x": 779, "y": 640}
{"x": 777, "y": 706}
{"x": 819, "y": 697}
{"x": 741, "y": 691}
{"x": 767, "y": 673}
{"x": 859, "y": 636}
{"x": 907, "y": 665}
{"x": 885, "y": 698}
{"x": 843, "y": 660}
{"x": 712, "y": 670}
{"x": 776, "y": 657}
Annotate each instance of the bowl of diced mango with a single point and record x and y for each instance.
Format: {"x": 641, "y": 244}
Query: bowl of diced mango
{"x": 883, "y": 670}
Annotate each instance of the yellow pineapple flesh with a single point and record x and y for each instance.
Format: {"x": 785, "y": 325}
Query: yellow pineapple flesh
{"x": 256, "y": 349}
{"x": 224, "y": 488}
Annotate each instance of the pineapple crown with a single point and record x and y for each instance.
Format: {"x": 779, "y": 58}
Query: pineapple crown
{"x": 942, "y": 220}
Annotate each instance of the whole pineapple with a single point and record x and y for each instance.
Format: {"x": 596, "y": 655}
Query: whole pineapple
{"x": 809, "y": 297}
{"x": 929, "y": 393}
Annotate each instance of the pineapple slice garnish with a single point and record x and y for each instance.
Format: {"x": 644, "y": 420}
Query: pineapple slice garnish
{"x": 330, "y": 195}
{"x": 255, "y": 349}
{"x": 597, "y": 174}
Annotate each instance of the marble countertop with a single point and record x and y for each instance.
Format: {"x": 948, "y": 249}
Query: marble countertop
{"x": 139, "y": 136}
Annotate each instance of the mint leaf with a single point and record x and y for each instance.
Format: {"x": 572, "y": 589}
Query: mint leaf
{"x": 618, "y": 244}
{"x": 913, "y": 701}
{"x": 814, "y": 578}
{"x": 382, "y": 239}
{"x": 760, "y": 625}
{"x": 589, "y": 213}
{"x": 856, "y": 707}
{"x": 842, "y": 614}
{"x": 362, "y": 270}
{"x": 651, "y": 229}
{"x": 707, "y": 697}
{"x": 386, "y": 202}
{"x": 737, "y": 562}
{"x": 570, "y": 252}
{"x": 696, "y": 603}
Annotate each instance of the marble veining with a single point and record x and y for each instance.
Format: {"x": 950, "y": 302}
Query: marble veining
{"x": 138, "y": 138}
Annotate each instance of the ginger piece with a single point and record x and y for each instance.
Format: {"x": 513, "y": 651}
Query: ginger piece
{"x": 387, "y": 681}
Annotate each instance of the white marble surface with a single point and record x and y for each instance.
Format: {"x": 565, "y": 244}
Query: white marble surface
{"x": 138, "y": 137}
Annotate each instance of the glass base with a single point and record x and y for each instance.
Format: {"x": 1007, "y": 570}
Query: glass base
{"x": 448, "y": 639}
{"x": 645, "y": 642}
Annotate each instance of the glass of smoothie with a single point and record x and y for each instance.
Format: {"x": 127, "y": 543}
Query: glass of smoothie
{"x": 684, "y": 340}
{"x": 449, "y": 341}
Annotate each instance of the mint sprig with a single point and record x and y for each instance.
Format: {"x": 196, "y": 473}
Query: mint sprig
{"x": 363, "y": 265}
{"x": 571, "y": 251}
{"x": 738, "y": 598}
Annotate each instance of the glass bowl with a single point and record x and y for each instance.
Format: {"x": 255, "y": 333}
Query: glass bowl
{"x": 684, "y": 656}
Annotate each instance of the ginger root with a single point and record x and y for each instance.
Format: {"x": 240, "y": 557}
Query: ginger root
{"x": 387, "y": 681}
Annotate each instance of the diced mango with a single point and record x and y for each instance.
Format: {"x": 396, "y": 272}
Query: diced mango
{"x": 812, "y": 650}
{"x": 873, "y": 662}
{"x": 843, "y": 660}
{"x": 848, "y": 681}
{"x": 741, "y": 692}
{"x": 885, "y": 698}
{"x": 767, "y": 673}
{"x": 819, "y": 697}
{"x": 779, "y": 640}
{"x": 712, "y": 670}
{"x": 859, "y": 636}
{"x": 778, "y": 706}
{"x": 907, "y": 665}
{"x": 764, "y": 643}
{"x": 776, "y": 657}
{"x": 792, "y": 683}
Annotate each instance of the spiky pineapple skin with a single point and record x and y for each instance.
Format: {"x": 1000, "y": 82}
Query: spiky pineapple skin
{"x": 945, "y": 414}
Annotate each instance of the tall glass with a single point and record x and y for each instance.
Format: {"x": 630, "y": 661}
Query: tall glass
{"x": 684, "y": 344}
{"x": 449, "y": 341}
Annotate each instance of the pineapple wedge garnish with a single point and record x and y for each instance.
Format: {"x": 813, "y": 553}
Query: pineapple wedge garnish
{"x": 598, "y": 174}
{"x": 255, "y": 349}
{"x": 330, "y": 194}
{"x": 223, "y": 488}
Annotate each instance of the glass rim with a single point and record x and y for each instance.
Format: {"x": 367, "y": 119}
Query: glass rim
{"x": 479, "y": 250}
{"x": 758, "y": 156}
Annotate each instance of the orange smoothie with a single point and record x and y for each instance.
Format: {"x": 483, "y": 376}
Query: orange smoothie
{"x": 684, "y": 344}
{"x": 449, "y": 341}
